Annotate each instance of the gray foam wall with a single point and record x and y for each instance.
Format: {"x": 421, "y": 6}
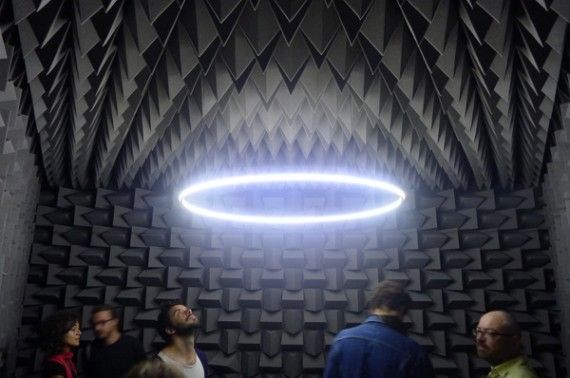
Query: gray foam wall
{"x": 556, "y": 194}
{"x": 271, "y": 300}
{"x": 19, "y": 192}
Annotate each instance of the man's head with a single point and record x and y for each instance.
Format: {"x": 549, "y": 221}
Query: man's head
{"x": 497, "y": 337}
{"x": 390, "y": 298}
{"x": 105, "y": 321}
{"x": 177, "y": 319}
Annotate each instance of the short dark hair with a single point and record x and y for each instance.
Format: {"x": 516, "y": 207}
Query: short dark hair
{"x": 163, "y": 321}
{"x": 391, "y": 295}
{"x": 53, "y": 328}
{"x": 105, "y": 307}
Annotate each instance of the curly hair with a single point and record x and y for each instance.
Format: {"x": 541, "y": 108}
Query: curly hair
{"x": 52, "y": 330}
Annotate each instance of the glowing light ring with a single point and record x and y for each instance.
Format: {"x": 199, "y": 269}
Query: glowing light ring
{"x": 290, "y": 178}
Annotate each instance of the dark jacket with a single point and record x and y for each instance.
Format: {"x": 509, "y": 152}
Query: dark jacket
{"x": 375, "y": 349}
{"x": 112, "y": 361}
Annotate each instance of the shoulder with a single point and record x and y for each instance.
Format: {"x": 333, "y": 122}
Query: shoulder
{"x": 412, "y": 343}
{"x": 201, "y": 355}
{"x": 53, "y": 368}
{"x": 157, "y": 357}
{"x": 354, "y": 335}
{"x": 129, "y": 340}
{"x": 378, "y": 333}
{"x": 414, "y": 349}
{"x": 96, "y": 343}
{"x": 372, "y": 329}
{"x": 523, "y": 370}
{"x": 352, "y": 330}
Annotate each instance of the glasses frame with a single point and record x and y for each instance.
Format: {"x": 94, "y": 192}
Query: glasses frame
{"x": 476, "y": 331}
{"x": 101, "y": 322}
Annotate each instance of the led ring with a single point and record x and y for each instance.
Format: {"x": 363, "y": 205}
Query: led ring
{"x": 290, "y": 178}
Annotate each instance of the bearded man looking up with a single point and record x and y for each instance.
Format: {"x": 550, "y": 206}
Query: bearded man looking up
{"x": 178, "y": 325}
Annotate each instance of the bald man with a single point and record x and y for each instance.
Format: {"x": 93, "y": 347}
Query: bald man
{"x": 498, "y": 341}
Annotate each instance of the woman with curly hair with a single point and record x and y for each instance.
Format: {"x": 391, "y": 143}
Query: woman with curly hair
{"x": 59, "y": 335}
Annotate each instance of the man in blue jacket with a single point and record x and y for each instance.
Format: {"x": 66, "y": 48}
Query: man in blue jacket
{"x": 379, "y": 347}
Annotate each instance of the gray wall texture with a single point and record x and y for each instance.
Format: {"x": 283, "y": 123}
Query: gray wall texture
{"x": 436, "y": 93}
{"x": 556, "y": 190}
{"x": 19, "y": 192}
{"x": 271, "y": 300}
{"x": 141, "y": 93}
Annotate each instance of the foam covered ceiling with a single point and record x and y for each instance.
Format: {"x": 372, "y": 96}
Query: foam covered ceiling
{"x": 150, "y": 93}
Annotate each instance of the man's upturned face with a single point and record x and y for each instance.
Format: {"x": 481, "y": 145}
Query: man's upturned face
{"x": 104, "y": 324}
{"x": 494, "y": 341}
{"x": 182, "y": 320}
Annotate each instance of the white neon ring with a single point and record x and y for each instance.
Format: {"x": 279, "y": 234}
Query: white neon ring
{"x": 287, "y": 178}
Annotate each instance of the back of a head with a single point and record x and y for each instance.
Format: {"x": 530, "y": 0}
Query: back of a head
{"x": 390, "y": 295}
{"x": 154, "y": 369}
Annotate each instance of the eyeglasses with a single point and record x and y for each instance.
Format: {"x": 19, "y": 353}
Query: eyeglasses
{"x": 489, "y": 332}
{"x": 101, "y": 322}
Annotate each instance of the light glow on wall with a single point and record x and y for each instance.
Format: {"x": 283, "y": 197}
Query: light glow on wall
{"x": 186, "y": 197}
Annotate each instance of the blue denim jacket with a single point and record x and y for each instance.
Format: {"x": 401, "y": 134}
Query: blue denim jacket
{"x": 374, "y": 349}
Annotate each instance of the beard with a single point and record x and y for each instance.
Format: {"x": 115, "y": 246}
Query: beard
{"x": 482, "y": 352}
{"x": 186, "y": 330}
{"x": 487, "y": 355}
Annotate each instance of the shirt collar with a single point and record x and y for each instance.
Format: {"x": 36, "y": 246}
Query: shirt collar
{"x": 374, "y": 318}
{"x": 503, "y": 368}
